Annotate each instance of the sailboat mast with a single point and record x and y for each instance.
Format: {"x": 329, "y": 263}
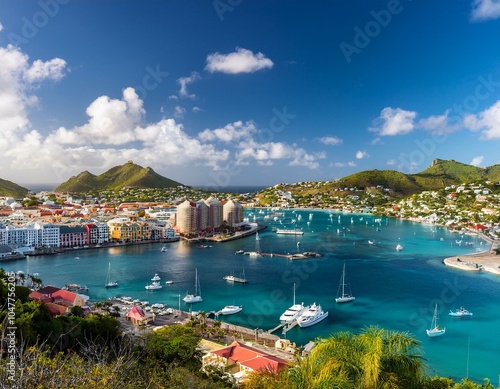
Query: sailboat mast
{"x": 343, "y": 281}
{"x": 294, "y": 293}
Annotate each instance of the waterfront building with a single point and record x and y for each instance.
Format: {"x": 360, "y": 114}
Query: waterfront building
{"x": 127, "y": 231}
{"x": 32, "y": 234}
{"x": 97, "y": 233}
{"x": 187, "y": 217}
{"x": 73, "y": 236}
{"x": 202, "y": 215}
{"x": 215, "y": 212}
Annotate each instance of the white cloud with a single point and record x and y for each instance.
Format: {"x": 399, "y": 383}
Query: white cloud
{"x": 394, "y": 121}
{"x": 1, "y": 27}
{"x": 485, "y": 10}
{"x": 331, "y": 140}
{"x": 185, "y": 81}
{"x": 232, "y": 132}
{"x": 240, "y": 61}
{"x": 438, "y": 124}
{"x": 362, "y": 154}
{"x": 391, "y": 162}
{"x": 196, "y": 109}
{"x": 179, "y": 111}
{"x": 17, "y": 80}
{"x": 487, "y": 121}
{"x": 476, "y": 161}
{"x": 345, "y": 164}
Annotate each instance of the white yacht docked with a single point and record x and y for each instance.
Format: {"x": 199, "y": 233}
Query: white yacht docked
{"x": 313, "y": 315}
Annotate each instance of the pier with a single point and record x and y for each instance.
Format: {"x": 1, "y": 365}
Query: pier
{"x": 292, "y": 257}
{"x": 286, "y": 327}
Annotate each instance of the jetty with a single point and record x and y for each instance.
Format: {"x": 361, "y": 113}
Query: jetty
{"x": 292, "y": 257}
{"x": 285, "y": 326}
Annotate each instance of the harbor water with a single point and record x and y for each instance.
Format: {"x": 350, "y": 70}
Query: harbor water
{"x": 396, "y": 290}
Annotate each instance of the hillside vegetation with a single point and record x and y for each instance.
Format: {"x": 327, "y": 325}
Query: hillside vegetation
{"x": 8, "y": 188}
{"x": 116, "y": 178}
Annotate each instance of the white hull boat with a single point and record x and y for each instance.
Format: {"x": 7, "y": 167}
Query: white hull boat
{"x": 462, "y": 312}
{"x": 435, "y": 329}
{"x": 313, "y": 315}
{"x": 231, "y": 309}
{"x": 196, "y": 297}
{"x": 344, "y": 293}
{"x": 293, "y": 312}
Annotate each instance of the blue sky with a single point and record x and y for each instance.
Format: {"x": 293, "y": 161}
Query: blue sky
{"x": 239, "y": 92}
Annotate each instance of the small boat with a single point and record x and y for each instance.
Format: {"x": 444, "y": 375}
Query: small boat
{"x": 75, "y": 288}
{"x": 240, "y": 252}
{"x": 231, "y": 309}
{"x": 109, "y": 283}
{"x": 461, "y": 312}
{"x": 371, "y": 242}
{"x": 399, "y": 247}
{"x": 204, "y": 246}
{"x": 163, "y": 249}
{"x": 313, "y": 315}
{"x": 169, "y": 282}
{"x": 155, "y": 284}
{"x": 196, "y": 297}
{"x": 344, "y": 292}
{"x": 294, "y": 311}
{"x": 435, "y": 329}
{"x": 232, "y": 278}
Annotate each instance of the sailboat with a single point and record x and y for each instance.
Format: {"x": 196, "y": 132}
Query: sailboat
{"x": 232, "y": 278}
{"x": 255, "y": 253}
{"x": 344, "y": 293}
{"x": 196, "y": 297}
{"x": 294, "y": 311}
{"x": 435, "y": 330}
{"x": 109, "y": 283}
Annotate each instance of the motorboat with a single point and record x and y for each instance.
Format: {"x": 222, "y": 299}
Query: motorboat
{"x": 163, "y": 249}
{"x": 155, "y": 284}
{"x": 231, "y": 309}
{"x": 461, "y": 312}
{"x": 169, "y": 282}
{"x": 399, "y": 247}
{"x": 196, "y": 297}
{"x": 293, "y": 312}
{"x": 239, "y": 251}
{"x": 435, "y": 329}
{"x": 344, "y": 292}
{"x": 313, "y": 315}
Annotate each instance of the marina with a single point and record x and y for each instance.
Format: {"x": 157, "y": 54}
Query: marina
{"x": 376, "y": 271}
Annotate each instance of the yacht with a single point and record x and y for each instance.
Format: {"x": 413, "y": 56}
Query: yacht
{"x": 399, "y": 247}
{"x": 155, "y": 284}
{"x": 314, "y": 314}
{"x": 231, "y": 309}
{"x": 163, "y": 249}
{"x": 460, "y": 312}
{"x": 294, "y": 311}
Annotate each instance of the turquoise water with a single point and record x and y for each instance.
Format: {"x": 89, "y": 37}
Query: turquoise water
{"x": 394, "y": 290}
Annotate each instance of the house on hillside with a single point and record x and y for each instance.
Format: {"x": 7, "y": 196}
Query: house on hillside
{"x": 59, "y": 301}
{"x": 138, "y": 317}
{"x": 239, "y": 359}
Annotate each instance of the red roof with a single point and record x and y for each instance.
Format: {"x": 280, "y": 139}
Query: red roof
{"x": 250, "y": 357}
{"x": 136, "y": 312}
{"x": 65, "y": 295}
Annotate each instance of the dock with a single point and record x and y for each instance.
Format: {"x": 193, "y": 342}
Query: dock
{"x": 285, "y": 326}
{"x": 292, "y": 257}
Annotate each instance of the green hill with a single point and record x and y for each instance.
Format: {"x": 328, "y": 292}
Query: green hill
{"x": 8, "y": 188}
{"x": 129, "y": 174}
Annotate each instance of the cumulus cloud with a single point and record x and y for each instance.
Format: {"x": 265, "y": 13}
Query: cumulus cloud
{"x": 362, "y": 154}
{"x": 18, "y": 80}
{"x": 487, "y": 121}
{"x": 476, "y": 161}
{"x": 331, "y": 140}
{"x": 485, "y": 10}
{"x": 439, "y": 124}
{"x": 394, "y": 121}
{"x": 1, "y": 27}
{"x": 229, "y": 133}
{"x": 240, "y": 61}
{"x": 391, "y": 162}
{"x": 179, "y": 111}
{"x": 185, "y": 81}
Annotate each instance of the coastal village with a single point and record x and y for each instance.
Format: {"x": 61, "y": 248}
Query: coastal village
{"x": 47, "y": 223}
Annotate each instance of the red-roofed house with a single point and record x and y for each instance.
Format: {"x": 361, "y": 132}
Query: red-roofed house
{"x": 241, "y": 359}
{"x": 59, "y": 301}
{"x": 137, "y": 316}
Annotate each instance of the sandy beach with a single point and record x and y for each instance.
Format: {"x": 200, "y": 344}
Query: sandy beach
{"x": 487, "y": 261}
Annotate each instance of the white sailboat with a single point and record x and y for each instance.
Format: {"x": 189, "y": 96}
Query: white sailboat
{"x": 109, "y": 283}
{"x": 293, "y": 312}
{"x": 435, "y": 329}
{"x": 344, "y": 293}
{"x": 196, "y": 297}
